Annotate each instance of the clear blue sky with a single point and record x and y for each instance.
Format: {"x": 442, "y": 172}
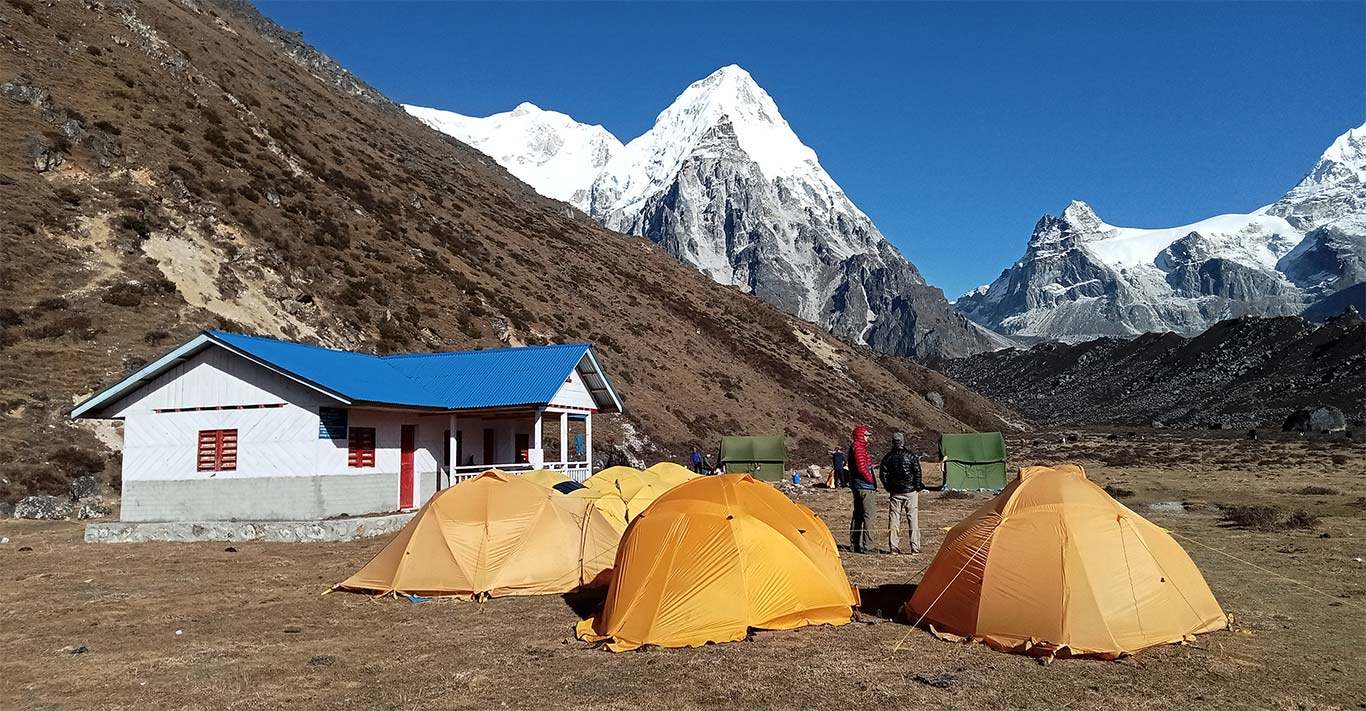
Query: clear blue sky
{"x": 955, "y": 126}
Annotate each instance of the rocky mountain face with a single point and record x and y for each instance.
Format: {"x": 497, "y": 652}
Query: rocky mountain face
{"x": 171, "y": 166}
{"x": 723, "y": 183}
{"x": 1081, "y": 278}
{"x": 1248, "y": 372}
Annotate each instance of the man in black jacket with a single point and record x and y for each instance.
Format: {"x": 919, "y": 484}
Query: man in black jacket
{"x": 901, "y": 478}
{"x": 841, "y": 470}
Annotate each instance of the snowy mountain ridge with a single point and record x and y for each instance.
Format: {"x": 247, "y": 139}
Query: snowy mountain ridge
{"x": 547, "y": 150}
{"x": 1082, "y": 278}
{"x": 723, "y": 183}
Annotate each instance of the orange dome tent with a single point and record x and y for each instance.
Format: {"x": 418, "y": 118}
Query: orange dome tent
{"x": 496, "y": 534}
{"x": 1054, "y": 566}
{"x": 714, "y": 557}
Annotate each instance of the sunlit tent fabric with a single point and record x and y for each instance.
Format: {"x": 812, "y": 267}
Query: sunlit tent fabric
{"x": 764, "y": 457}
{"x": 645, "y": 496}
{"x": 975, "y": 460}
{"x": 625, "y": 492}
{"x": 620, "y": 480}
{"x": 714, "y": 557}
{"x": 1054, "y": 566}
{"x": 496, "y": 534}
{"x": 552, "y": 480}
{"x": 609, "y": 504}
{"x": 671, "y": 473}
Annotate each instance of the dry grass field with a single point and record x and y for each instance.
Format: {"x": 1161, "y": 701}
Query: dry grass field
{"x": 171, "y": 626}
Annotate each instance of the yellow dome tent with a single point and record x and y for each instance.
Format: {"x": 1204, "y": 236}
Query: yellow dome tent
{"x": 1054, "y": 566}
{"x": 715, "y": 557}
{"x": 496, "y": 534}
{"x": 546, "y": 477}
{"x": 553, "y": 480}
{"x": 610, "y": 505}
{"x": 644, "y": 496}
{"x": 673, "y": 474}
{"x": 620, "y": 480}
{"x": 626, "y": 492}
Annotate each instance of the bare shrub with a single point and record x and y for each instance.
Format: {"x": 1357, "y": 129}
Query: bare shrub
{"x": 1301, "y": 519}
{"x": 1269, "y": 518}
{"x": 1260, "y": 518}
{"x": 1317, "y": 491}
{"x": 1118, "y": 492}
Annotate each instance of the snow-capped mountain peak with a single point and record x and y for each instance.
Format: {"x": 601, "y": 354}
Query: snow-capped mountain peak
{"x": 1080, "y": 215}
{"x": 723, "y": 183}
{"x": 1344, "y": 160}
{"x": 547, "y": 150}
{"x": 1333, "y": 191}
{"x": 726, "y": 100}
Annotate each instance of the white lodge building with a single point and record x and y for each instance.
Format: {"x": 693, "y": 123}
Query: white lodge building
{"x": 233, "y": 427}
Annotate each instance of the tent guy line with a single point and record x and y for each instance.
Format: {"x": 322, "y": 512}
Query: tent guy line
{"x": 916, "y": 626}
{"x": 1264, "y": 570}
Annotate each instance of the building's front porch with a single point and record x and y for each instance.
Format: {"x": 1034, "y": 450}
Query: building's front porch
{"x": 558, "y": 438}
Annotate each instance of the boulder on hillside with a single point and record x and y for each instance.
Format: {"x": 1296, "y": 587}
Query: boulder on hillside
{"x": 83, "y": 487}
{"x": 935, "y": 399}
{"x": 1318, "y": 419}
{"x": 94, "y": 507}
{"x": 43, "y": 507}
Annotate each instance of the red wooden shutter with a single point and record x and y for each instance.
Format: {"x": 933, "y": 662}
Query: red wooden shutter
{"x": 227, "y": 450}
{"x": 208, "y": 450}
{"x": 361, "y": 447}
{"x": 217, "y": 451}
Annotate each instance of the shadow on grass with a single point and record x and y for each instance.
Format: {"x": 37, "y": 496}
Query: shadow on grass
{"x": 885, "y": 601}
{"x": 585, "y": 601}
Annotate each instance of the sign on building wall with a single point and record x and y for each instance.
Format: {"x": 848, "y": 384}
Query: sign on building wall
{"x": 332, "y": 423}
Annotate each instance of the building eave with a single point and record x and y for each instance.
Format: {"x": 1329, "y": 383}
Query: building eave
{"x": 91, "y": 406}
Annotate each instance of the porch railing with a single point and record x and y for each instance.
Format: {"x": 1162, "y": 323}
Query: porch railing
{"x": 577, "y": 471}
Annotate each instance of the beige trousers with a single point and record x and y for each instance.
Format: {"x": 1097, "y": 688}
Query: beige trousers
{"x": 905, "y": 506}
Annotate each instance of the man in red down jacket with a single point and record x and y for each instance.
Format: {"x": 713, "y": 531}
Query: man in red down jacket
{"x": 864, "y": 486}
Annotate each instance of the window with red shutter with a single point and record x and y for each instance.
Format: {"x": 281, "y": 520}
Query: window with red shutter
{"x": 217, "y": 451}
{"x": 361, "y": 443}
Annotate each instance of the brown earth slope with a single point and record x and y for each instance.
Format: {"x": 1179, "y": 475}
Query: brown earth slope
{"x": 170, "y": 166}
{"x": 1248, "y": 372}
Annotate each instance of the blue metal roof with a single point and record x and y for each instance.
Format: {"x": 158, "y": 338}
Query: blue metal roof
{"x": 501, "y": 377}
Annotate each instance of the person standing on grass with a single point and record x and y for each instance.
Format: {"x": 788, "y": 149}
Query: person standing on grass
{"x": 901, "y": 477}
{"x": 864, "y": 485}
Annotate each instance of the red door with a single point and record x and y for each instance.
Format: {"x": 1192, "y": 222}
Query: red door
{"x": 407, "y": 479}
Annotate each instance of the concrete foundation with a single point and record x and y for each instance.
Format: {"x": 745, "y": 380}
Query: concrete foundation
{"x": 294, "y": 498}
{"x": 335, "y": 530}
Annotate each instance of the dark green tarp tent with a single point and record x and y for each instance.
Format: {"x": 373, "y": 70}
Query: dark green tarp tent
{"x": 764, "y": 457}
{"x": 972, "y": 461}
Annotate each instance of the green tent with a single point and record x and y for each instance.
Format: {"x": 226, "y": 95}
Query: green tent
{"x": 976, "y": 460}
{"x": 764, "y": 457}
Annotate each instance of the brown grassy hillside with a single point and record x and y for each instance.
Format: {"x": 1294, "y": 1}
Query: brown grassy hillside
{"x": 170, "y": 166}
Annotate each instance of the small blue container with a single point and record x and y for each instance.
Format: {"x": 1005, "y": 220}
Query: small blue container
{"x": 796, "y": 477}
